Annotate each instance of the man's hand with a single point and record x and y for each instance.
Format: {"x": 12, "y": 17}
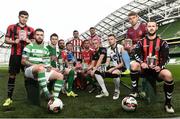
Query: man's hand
{"x": 93, "y": 71}
{"x": 16, "y": 41}
{"x": 54, "y": 58}
{"x": 27, "y": 40}
{"x": 157, "y": 68}
{"x": 55, "y": 69}
{"x": 144, "y": 65}
{"x": 111, "y": 70}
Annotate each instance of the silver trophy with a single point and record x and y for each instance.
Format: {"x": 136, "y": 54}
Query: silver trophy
{"x": 151, "y": 60}
{"x": 22, "y": 35}
{"x": 128, "y": 43}
{"x": 102, "y": 68}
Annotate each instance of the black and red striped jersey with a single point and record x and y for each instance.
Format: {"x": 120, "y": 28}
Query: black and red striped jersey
{"x": 13, "y": 32}
{"x": 156, "y": 47}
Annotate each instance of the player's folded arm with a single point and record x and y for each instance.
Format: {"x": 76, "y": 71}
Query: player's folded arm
{"x": 163, "y": 54}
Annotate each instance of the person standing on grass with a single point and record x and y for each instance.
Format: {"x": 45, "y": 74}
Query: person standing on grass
{"x": 93, "y": 36}
{"x": 18, "y": 36}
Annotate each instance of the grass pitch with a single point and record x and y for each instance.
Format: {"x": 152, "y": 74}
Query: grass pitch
{"x": 86, "y": 105}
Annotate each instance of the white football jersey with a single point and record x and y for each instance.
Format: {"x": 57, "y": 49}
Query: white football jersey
{"x": 114, "y": 55}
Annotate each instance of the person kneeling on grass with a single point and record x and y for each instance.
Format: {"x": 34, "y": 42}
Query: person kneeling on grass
{"x": 97, "y": 66}
{"x": 36, "y": 58}
{"x": 69, "y": 61}
{"x": 152, "y": 53}
{"x": 115, "y": 63}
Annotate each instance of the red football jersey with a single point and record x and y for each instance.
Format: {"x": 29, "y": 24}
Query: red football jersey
{"x": 87, "y": 56}
{"x": 136, "y": 34}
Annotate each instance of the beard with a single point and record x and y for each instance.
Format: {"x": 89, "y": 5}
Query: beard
{"x": 112, "y": 45}
{"x": 151, "y": 34}
{"x": 61, "y": 47}
{"x": 39, "y": 42}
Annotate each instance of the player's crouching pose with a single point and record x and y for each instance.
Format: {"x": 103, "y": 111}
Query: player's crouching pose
{"x": 98, "y": 65}
{"x": 114, "y": 63}
{"x": 152, "y": 54}
{"x": 69, "y": 60}
{"x": 37, "y": 65}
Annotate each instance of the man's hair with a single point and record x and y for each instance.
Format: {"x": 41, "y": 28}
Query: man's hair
{"x": 153, "y": 20}
{"x": 85, "y": 41}
{"x": 23, "y": 13}
{"x": 39, "y": 29}
{"x": 68, "y": 43}
{"x": 60, "y": 40}
{"x": 132, "y": 13}
{"x": 112, "y": 35}
{"x": 54, "y": 34}
{"x": 75, "y": 31}
{"x": 91, "y": 28}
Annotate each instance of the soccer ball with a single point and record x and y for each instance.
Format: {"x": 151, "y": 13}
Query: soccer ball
{"x": 55, "y": 105}
{"x": 129, "y": 104}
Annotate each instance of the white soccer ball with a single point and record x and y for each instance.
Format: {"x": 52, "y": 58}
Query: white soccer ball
{"x": 129, "y": 103}
{"x": 55, "y": 105}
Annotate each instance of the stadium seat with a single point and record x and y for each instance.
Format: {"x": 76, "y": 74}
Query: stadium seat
{"x": 149, "y": 87}
{"x": 33, "y": 91}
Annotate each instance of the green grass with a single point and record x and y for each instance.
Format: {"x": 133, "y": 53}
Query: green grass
{"x": 86, "y": 105}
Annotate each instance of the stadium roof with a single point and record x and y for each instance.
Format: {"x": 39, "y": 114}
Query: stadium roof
{"x": 117, "y": 22}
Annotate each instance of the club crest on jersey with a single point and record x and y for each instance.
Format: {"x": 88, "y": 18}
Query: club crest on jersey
{"x": 115, "y": 57}
{"x": 140, "y": 33}
{"x": 157, "y": 48}
{"x": 29, "y": 33}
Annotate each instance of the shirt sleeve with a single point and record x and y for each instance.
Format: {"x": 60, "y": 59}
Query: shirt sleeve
{"x": 31, "y": 36}
{"x": 26, "y": 51}
{"x": 94, "y": 56}
{"x": 9, "y": 31}
{"x": 103, "y": 51}
{"x": 108, "y": 53}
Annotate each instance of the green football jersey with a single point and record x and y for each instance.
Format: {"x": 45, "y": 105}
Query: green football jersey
{"x": 53, "y": 52}
{"x": 37, "y": 54}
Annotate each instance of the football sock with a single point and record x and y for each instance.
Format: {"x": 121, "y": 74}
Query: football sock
{"x": 57, "y": 87}
{"x": 101, "y": 82}
{"x": 70, "y": 80}
{"x": 134, "y": 80}
{"x": 116, "y": 84}
{"x": 168, "y": 89}
{"x": 43, "y": 83}
{"x": 11, "y": 85}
